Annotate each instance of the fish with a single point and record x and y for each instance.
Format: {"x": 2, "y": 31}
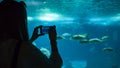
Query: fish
{"x": 95, "y": 40}
{"x": 60, "y": 37}
{"x": 84, "y": 41}
{"x": 107, "y": 49}
{"x": 45, "y": 51}
{"x": 79, "y": 37}
{"x": 66, "y": 34}
{"x": 104, "y": 38}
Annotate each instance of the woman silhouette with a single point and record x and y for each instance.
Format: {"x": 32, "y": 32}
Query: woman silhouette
{"x": 13, "y": 20}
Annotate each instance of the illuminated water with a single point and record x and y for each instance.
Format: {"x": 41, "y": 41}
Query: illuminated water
{"x": 97, "y": 18}
{"x": 86, "y": 55}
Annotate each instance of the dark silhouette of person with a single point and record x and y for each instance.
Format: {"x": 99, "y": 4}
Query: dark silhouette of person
{"x": 13, "y": 26}
{"x": 13, "y": 20}
{"x": 16, "y": 49}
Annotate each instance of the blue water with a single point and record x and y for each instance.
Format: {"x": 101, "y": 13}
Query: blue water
{"x": 97, "y": 18}
{"x": 85, "y": 55}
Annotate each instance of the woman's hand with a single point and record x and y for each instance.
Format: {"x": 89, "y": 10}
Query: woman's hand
{"x": 35, "y": 34}
{"x": 52, "y": 33}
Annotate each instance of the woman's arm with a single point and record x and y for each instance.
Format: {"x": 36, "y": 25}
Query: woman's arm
{"x": 55, "y": 56}
{"x": 35, "y": 35}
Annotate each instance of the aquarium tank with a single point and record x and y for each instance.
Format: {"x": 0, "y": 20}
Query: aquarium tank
{"x": 88, "y": 31}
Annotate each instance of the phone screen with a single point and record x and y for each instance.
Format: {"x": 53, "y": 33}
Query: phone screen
{"x": 45, "y": 29}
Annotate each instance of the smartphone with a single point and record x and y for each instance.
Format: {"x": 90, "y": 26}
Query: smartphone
{"x": 45, "y": 29}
